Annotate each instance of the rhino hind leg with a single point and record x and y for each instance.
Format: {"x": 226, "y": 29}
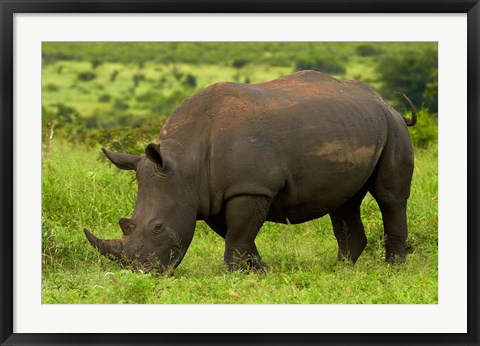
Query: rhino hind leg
{"x": 395, "y": 230}
{"x": 390, "y": 186}
{"x": 244, "y": 216}
{"x": 348, "y": 228}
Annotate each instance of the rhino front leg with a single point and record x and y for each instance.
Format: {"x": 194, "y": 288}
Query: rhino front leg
{"x": 245, "y": 216}
{"x": 219, "y": 225}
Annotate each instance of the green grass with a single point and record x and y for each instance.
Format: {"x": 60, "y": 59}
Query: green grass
{"x": 79, "y": 191}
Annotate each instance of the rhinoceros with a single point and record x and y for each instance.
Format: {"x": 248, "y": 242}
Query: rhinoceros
{"x": 288, "y": 151}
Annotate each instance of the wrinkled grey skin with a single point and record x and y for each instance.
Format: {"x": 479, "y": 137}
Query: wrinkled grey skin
{"x": 288, "y": 151}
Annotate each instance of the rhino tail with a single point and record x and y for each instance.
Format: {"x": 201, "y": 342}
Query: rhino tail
{"x": 413, "y": 120}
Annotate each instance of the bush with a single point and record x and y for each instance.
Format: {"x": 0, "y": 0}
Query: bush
{"x": 413, "y": 72}
{"x": 64, "y": 114}
{"x": 137, "y": 78}
{"x": 109, "y": 119}
{"x": 367, "y": 50}
{"x": 105, "y": 98}
{"x": 122, "y": 138}
{"x": 237, "y": 77}
{"x": 86, "y": 76}
{"x": 113, "y": 76}
{"x": 177, "y": 73}
{"x": 320, "y": 64}
{"x": 425, "y": 132}
{"x": 63, "y": 121}
{"x": 165, "y": 104}
{"x": 129, "y": 139}
{"x": 120, "y": 105}
{"x": 149, "y": 97}
{"x": 95, "y": 63}
{"x": 52, "y": 87}
{"x": 239, "y": 63}
{"x": 430, "y": 95}
{"x": 190, "y": 80}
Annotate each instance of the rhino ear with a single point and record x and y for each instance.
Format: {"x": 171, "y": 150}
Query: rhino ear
{"x": 122, "y": 160}
{"x": 154, "y": 154}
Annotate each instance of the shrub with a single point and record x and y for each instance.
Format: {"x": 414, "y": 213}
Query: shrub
{"x": 108, "y": 119}
{"x": 367, "y": 50}
{"x": 86, "y": 76}
{"x": 413, "y": 72}
{"x": 129, "y": 139}
{"x": 190, "y": 80}
{"x": 63, "y": 121}
{"x": 325, "y": 65}
{"x": 96, "y": 63}
{"x": 239, "y": 63}
{"x": 105, "y": 98}
{"x": 177, "y": 73}
{"x": 122, "y": 138}
{"x": 430, "y": 95}
{"x": 236, "y": 76}
{"x": 149, "y": 97}
{"x": 120, "y": 105}
{"x": 113, "y": 76}
{"x": 65, "y": 114}
{"x": 165, "y": 104}
{"x": 82, "y": 90}
{"x": 137, "y": 78}
{"x": 425, "y": 132}
{"x": 52, "y": 87}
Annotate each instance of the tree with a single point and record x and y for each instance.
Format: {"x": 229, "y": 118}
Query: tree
{"x": 413, "y": 72}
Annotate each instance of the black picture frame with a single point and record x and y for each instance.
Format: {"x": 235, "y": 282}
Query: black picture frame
{"x": 9, "y": 7}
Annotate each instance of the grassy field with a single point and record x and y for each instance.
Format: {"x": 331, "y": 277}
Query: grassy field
{"x": 81, "y": 192}
{"x": 105, "y": 82}
{"x": 111, "y": 94}
{"x": 159, "y": 82}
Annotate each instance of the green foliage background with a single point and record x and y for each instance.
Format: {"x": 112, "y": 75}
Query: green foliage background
{"x": 118, "y": 95}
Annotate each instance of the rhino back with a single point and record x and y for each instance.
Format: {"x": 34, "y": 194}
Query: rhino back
{"x": 294, "y": 139}
{"x": 308, "y": 141}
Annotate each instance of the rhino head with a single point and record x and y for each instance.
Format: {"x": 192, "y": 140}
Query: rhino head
{"x": 161, "y": 228}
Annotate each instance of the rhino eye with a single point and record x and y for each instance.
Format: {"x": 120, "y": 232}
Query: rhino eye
{"x": 158, "y": 228}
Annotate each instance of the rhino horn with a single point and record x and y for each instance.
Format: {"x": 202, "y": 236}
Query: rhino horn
{"x": 109, "y": 248}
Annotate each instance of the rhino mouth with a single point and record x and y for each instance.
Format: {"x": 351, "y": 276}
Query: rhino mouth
{"x": 116, "y": 250}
